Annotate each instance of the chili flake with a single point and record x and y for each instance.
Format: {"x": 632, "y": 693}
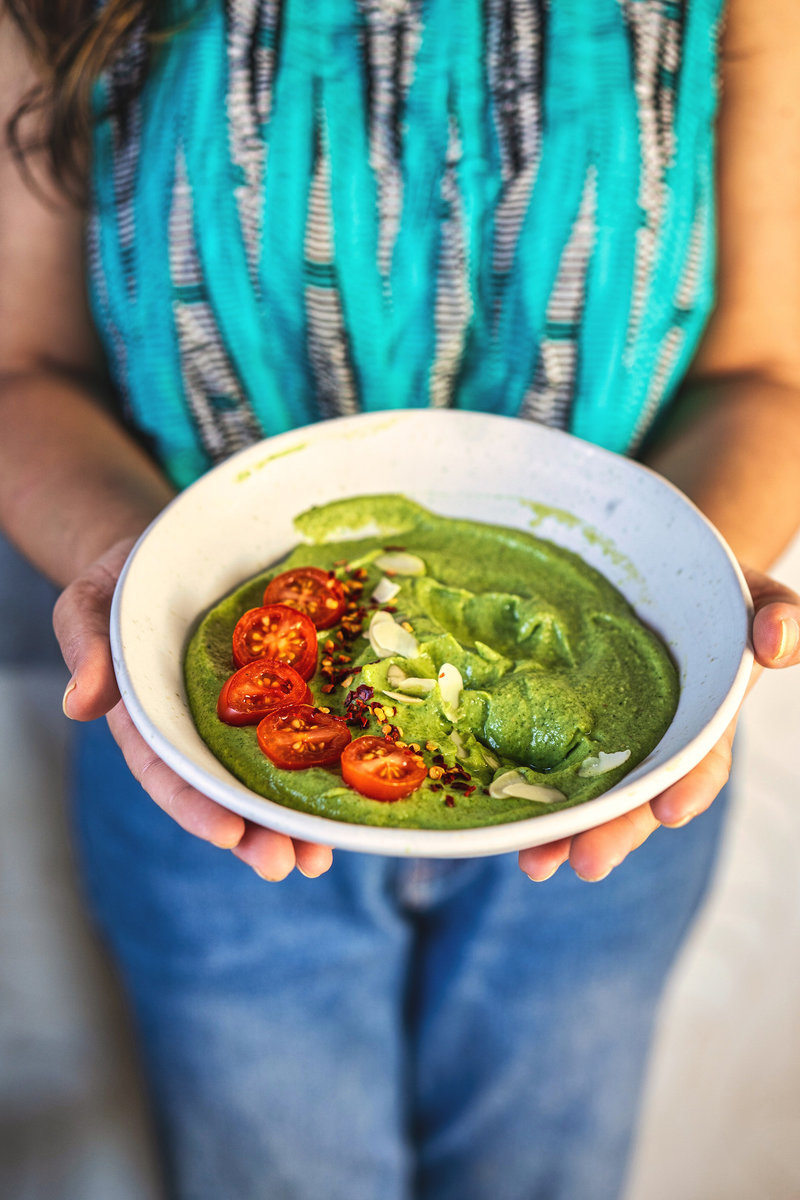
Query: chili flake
{"x": 356, "y": 706}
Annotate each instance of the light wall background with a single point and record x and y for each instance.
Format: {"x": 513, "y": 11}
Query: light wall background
{"x": 722, "y": 1113}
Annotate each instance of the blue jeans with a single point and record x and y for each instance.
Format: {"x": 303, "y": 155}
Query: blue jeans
{"x": 444, "y": 1030}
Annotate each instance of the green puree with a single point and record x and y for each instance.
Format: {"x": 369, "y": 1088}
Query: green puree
{"x": 555, "y": 668}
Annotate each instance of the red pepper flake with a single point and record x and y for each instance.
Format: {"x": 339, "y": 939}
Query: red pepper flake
{"x": 356, "y": 706}
{"x": 454, "y": 777}
{"x": 449, "y": 802}
{"x": 352, "y": 622}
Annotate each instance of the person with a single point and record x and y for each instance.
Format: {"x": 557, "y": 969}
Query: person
{"x": 296, "y": 210}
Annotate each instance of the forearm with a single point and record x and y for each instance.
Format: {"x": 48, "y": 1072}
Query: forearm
{"x": 72, "y": 483}
{"x": 734, "y": 449}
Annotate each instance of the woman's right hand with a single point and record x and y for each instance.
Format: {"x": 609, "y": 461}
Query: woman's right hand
{"x": 81, "y": 622}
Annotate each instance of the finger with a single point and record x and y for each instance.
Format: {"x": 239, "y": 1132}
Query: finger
{"x": 194, "y": 812}
{"x": 595, "y": 852}
{"x": 776, "y": 625}
{"x": 270, "y": 854}
{"x": 541, "y": 862}
{"x": 80, "y": 621}
{"x": 695, "y": 792}
{"x": 776, "y": 635}
{"x": 312, "y": 860}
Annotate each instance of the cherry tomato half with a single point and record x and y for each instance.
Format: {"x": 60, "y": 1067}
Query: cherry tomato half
{"x": 378, "y": 768}
{"x": 256, "y": 688}
{"x": 299, "y": 735}
{"x": 277, "y": 632}
{"x": 316, "y": 593}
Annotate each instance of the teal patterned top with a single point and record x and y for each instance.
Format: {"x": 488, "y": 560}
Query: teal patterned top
{"x": 318, "y": 207}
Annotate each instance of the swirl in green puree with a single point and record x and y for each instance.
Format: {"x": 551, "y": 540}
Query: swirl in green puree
{"x": 561, "y": 683}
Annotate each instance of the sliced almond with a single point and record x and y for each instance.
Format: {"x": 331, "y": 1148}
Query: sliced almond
{"x": 488, "y": 757}
{"x": 451, "y": 686}
{"x": 456, "y": 739}
{"x": 387, "y": 638}
{"x": 600, "y": 763}
{"x": 511, "y": 783}
{"x": 401, "y": 697}
{"x": 385, "y": 590}
{"x": 400, "y": 563}
{"x": 414, "y": 686}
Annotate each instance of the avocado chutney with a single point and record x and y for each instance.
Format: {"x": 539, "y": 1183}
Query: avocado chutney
{"x": 519, "y": 673}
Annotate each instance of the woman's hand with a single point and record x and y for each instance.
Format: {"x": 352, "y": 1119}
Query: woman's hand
{"x": 595, "y": 852}
{"x": 81, "y": 619}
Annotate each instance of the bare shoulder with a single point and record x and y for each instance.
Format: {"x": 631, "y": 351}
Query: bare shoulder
{"x": 44, "y": 314}
{"x": 757, "y": 317}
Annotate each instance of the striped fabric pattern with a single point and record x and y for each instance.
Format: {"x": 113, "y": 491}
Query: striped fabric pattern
{"x": 320, "y": 207}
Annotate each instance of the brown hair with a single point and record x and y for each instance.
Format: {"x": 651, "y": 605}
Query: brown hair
{"x": 73, "y": 43}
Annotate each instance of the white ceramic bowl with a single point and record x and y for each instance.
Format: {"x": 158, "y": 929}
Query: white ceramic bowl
{"x": 621, "y": 518}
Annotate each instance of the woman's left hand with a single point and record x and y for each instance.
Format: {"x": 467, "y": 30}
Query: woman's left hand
{"x": 595, "y": 852}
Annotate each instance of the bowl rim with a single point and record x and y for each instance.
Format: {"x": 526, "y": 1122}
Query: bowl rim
{"x": 476, "y": 841}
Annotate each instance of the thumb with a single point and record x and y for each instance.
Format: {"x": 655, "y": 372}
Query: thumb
{"x": 81, "y": 623}
{"x": 776, "y": 625}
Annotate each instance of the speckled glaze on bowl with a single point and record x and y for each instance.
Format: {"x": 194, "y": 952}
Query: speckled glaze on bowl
{"x": 624, "y": 520}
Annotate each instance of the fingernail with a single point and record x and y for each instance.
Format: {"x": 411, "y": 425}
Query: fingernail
{"x": 542, "y": 878}
{"x": 70, "y": 688}
{"x": 790, "y": 636}
{"x": 306, "y": 874}
{"x": 680, "y": 824}
{"x": 594, "y": 878}
{"x": 229, "y": 845}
